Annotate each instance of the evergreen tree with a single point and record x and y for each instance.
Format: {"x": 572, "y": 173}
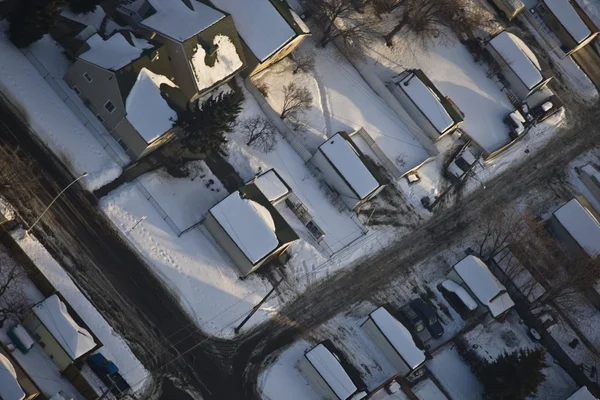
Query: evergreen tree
{"x": 514, "y": 376}
{"x": 204, "y": 129}
{"x": 32, "y": 19}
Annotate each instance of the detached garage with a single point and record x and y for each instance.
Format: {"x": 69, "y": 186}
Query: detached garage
{"x": 324, "y": 371}
{"x": 395, "y": 341}
{"x": 576, "y": 226}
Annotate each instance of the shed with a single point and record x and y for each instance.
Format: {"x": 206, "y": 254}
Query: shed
{"x": 569, "y": 22}
{"x": 474, "y": 275}
{"x": 272, "y": 185}
{"x": 394, "y": 341}
{"x": 433, "y": 112}
{"x": 9, "y": 384}
{"x": 324, "y": 371}
{"x": 347, "y": 170}
{"x": 582, "y": 394}
{"x": 270, "y": 30}
{"x": 521, "y": 68}
{"x": 53, "y": 326}
{"x": 577, "y": 227}
{"x": 249, "y": 228}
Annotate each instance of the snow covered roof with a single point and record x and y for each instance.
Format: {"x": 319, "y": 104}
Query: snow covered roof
{"x": 518, "y": 57}
{"x": 347, "y": 162}
{"x": 462, "y": 294}
{"x": 115, "y": 52}
{"x": 147, "y": 110}
{"x": 271, "y": 185}
{"x": 427, "y": 101}
{"x": 227, "y": 62}
{"x": 261, "y": 25}
{"x": 330, "y": 369}
{"x": 563, "y": 10}
{"x": 177, "y": 21}
{"x": 9, "y": 385}
{"x": 399, "y": 337}
{"x": 75, "y": 340}
{"x": 488, "y": 290}
{"x": 582, "y": 394}
{"x": 581, "y": 224}
{"x": 249, "y": 224}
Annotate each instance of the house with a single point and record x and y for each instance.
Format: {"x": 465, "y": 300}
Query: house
{"x": 249, "y": 228}
{"x": 323, "y": 370}
{"x": 201, "y": 43}
{"x": 590, "y": 176}
{"x": 582, "y": 394}
{"x": 14, "y": 381}
{"x": 60, "y": 332}
{"x": 270, "y": 30}
{"x": 522, "y": 71}
{"x": 394, "y": 341}
{"x": 472, "y": 274}
{"x": 433, "y": 112}
{"x": 272, "y": 185}
{"x": 509, "y": 8}
{"x": 128, "y": 83}
{"x": 347, "y": 170}
{"x": 576, "y": 226}
{"x": 569, "y": 22}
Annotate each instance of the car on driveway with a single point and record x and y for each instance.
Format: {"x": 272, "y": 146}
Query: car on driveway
{"x": 411, "y": 319}
{"x": 428, "y": 316}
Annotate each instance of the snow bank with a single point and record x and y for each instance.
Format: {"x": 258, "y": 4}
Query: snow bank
{"x": 114, "y": 347}
{"x": 227, "y": 62}
{"x": 147, "y": 110}
{"x": 52, "y": 120}
{"x": 261, "y": 26}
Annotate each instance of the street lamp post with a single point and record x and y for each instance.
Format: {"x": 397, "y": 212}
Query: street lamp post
{"x": 54, "y": 200}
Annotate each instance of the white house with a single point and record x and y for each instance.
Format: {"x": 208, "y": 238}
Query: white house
{"x": 520, "y": 67}
{"x": 9, "y": 384}
{"x": 582, "y": 394}
{"x": 394, "y": 340}
{"x": 577, "y": 227}
{"x": 346, "y": 169}
{"x": 250, "y": 230}
{"x": 475, "y": 276}
{"x": 433, "y": 112}
{"x": 324, "y": 371}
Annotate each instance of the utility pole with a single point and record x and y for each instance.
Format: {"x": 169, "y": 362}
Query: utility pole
{"x": 256, "y": 307}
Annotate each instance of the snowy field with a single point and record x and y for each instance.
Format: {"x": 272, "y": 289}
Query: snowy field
{"x": 51, "y": 119}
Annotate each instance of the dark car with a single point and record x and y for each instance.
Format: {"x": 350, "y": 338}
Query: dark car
{"x": 411, "y": 319}
{"x": 429, "y": 316}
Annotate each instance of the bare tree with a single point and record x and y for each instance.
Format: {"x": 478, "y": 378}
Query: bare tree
{"x": 296, "y": 99}
{"x": 422, "y": 21}
{"x": 260, "y": 133}
{"x": 305, "y": 61}
{"x": 342, "y": 19}
{"x": 13, "y": 304}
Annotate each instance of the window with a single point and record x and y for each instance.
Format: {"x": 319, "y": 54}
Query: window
{"x": 42, "y": 344}
{"x": 87, "y": 77}
{"x": 76, "y": 90}
{"x": 110, "y": 107}
{"x": 100, "y": 118}
{"x": 123, "y": 145}
{"x": 37, "y": 337}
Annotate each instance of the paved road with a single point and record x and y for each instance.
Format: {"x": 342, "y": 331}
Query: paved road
{"x": 141, "y": 309}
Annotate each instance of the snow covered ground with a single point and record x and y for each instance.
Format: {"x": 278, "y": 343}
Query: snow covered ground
{"x": 454, "y": 375}
{"x": 51, "y": 119}
{"x": 427, "y": 390}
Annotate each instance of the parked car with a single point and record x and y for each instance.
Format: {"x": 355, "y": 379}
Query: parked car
{"x": 429, "y": 316}
{"x": 461, "y": 164}
{"x": 411, "y": 319}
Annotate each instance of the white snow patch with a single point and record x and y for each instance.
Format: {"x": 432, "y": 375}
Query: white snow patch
{"x": 582, "y": 394}
{"x": 345, "y": 159}
{"x": 569, "y": 18}
{"x": 454, "y": 375}
{"x": 147, "y": 110}
{"x": 51, "y": 55}
{"x": 249, "y": 224}
{"x": 465, "y": 297}
{"x": 518, "y": 57}
{"x": 581, "y": 224}
{"x": 52, "y": 120}
{"x": 427, "y": 390}
{"x": 262, "y": 27}
{"x": 177, "y": 21}
{"x": 227, "y": 62}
